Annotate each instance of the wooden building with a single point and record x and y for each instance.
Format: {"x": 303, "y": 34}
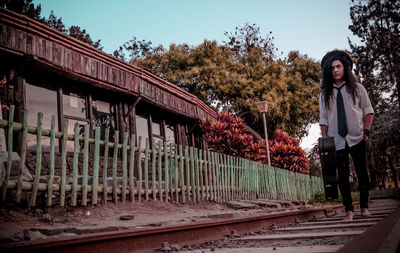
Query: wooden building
{"x": 50, "y": 72}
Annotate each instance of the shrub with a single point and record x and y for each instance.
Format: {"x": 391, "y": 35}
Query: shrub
{"x": 228, "y": 135}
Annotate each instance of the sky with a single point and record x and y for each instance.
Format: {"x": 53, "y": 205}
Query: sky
{"x": 312, "y": 27}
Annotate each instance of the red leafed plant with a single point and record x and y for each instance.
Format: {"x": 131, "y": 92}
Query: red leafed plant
{"x": 286, "y": 153}
{"x": 227, "y": 135}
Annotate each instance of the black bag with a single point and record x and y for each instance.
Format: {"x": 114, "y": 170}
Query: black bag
{"x": 327, "y": 155}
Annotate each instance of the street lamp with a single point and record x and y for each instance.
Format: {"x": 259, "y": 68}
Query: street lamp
{"x": 263, "y": 108}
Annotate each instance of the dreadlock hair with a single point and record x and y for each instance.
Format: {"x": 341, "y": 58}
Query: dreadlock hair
{"x": 328, "y": 81}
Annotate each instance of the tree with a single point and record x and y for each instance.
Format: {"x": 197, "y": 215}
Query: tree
{"x": 376, "y": 23}
{"x": 56, "y": 23}
{"x": 81, "y": 34}
{"x": 133, "y": 50}
{"x": 248, "y": 38}
{"x": 25, "y": 7}
{"x": 233, "y": 76}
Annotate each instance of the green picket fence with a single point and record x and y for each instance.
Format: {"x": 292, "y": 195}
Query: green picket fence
{"x": 157, "y": 172}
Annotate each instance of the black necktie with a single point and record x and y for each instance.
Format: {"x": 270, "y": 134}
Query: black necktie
{"x": 342, "y": 126}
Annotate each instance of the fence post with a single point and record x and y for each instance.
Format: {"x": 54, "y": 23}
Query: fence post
{"x": 124, "y": 167}
{"x": 182, "y": 174}
{"x": 115, "y": 166}
{"x": 23, "y": 156}
{"x": 176, "y": 174}
{"x": 75, "y": 166}
{"x": 105, "y": 165}
{"x": 166, "y": 172}
{"x": 38, "y": 155}
{"x": 160, "y": 172}
{"x": 153, "y": 170}
{"x": 146, "y": 170}
{"x": 85, "y": 166}
{"x": 51, "y": 176}
{"x": 95, "y": 183}
{"x": 139, "y": 157}
{"x": 131, "y": 169}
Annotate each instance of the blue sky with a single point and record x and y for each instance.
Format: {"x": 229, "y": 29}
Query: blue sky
{"x": 312, "y": 27}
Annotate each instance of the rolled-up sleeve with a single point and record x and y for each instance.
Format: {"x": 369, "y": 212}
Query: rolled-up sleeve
{"x": 323, "y": 114}
{"x": 365, "y": 102}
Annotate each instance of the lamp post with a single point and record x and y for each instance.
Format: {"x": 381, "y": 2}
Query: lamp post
{"x": 263, "y": 108}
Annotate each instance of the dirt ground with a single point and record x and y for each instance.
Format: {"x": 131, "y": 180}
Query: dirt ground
{"x": 21, "y": 224}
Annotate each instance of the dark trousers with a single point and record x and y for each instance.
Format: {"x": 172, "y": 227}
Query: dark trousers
{"x": 358, "y": 153}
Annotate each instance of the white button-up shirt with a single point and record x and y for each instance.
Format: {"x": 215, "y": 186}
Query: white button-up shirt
{"x": 355, "y": 113}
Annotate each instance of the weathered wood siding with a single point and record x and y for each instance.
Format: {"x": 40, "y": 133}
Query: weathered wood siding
{"x": 20, "y": 35}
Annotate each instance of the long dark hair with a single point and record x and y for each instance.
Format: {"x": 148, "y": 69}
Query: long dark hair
{"x": 328, "y": 81}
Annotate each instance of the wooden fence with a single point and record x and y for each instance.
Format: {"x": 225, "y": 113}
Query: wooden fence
{"x": 121, "y": 171}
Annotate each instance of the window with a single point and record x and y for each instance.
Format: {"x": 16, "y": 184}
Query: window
{"x": 74, "y": 105}
{"x": 142, "y": 129}
{"x": 103, "y": 117}
{"x": 40, "y": 99}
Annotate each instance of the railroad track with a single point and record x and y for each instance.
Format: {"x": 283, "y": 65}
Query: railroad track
{"x": 328, "y": 234}
{"x": 315, "y": 230}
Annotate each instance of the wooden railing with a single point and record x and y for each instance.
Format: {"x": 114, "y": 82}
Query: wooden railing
{"x": 120, "y": 171}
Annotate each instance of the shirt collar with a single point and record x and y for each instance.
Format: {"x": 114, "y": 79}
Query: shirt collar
{"x": 338, "y": 86}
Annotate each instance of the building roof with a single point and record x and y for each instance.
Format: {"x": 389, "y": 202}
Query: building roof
{"x": 22, "y": 36}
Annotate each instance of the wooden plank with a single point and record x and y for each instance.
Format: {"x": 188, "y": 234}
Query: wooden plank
{"x": 210, "y": 175}
{"x": 38, "y": 155}
{"x": 182, "y": 176}
{"x": 140, "y": 169}
{"x": 64, "y": 163}
{"x": 176, "y": 157}
{"x": 75, "y": 166}
{"x": 171, "y": 170}
{"x": 300, "y": 235}
{"x": 10, "y": 149}
{"x": 214, "y": 177}
{"x": 23, "y": 156}
{"x": 201, "y": 168}
{"x": 206, "y": 184}
{"x": 85, "y": 167}
{"x": 192, "y": 173}
{"x": 124, "y": 166}
{"x": 160, "y": 194}
{"x": 153, "y": 170}
{"x": 51, "y": 174}
{"x": 166, "y": 172}
{"x": 187, "y": 188}
{"x": 197, "y": 174}
{"x": 105, "y": 164}
{"x": 115, "y": 167}
{"x": 146, "y": 170}
{"x": 132, "y": 168}
{"x": 96, "y": 165}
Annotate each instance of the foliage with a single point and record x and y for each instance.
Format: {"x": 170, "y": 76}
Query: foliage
{"x": 232, "y": 76}
{"x": 314, "y": 162}
{"x": 26, "y": 7}
{"x": 81, "y": 34}
{"x": 376, "y": 23}
{"x": 228, "y": 135}
{"x": 286, "y": 153}
{"x": 320, "y": 198}
{"x": 377, "y": 58}
{"x": 133, "y": 50}
{"x": 246, "y": 39}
